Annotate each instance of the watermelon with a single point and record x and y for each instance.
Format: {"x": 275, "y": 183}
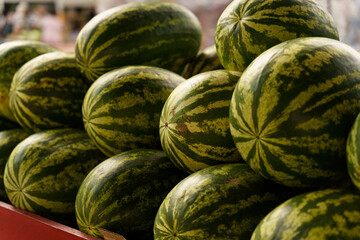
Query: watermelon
{"x": 292, "y": 110}
{"x": 46, "y": 169}
{"x": 224, "y": 201}
{"x": 247, "y": 28}
{"x": 123, "y": 193}
{"x": 353, "y": 153}
{"x": 8, "y": 141}
{"x": 322, "y": 214}
{"x": 194, "y": 122}
{"x": 206, "y": 60}
{"x": 47, "y": 93}
{"x": 121, "y": 109}
{"x": 160, "y": 34}
{"x": 13, "y": 55}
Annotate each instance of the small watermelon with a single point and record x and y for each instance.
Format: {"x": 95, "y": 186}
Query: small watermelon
{"x": 122, "y": 108}
{"x": 247, "y": 28}
{"x": 194, "y": 123}
{"x": 224, "y": 201}
{"x": 322, "y": 214}
{"x": 160, "y": 34}
{"x": 45, "y": 170}
{"x": 123, "y": 193}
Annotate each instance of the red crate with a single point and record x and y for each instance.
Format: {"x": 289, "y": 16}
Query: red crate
{"x": 17, "y": 224}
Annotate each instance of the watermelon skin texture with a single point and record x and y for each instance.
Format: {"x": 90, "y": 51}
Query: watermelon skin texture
{"x": 46, "y": 169}
{"x": 121, "y": 109}
{"x": 206, "y": 60}
{"x": 47, "y": 93}
{"x": 293, "y": 108}
{"x": 13, "y": 55}
{"x": 194, "y": 122}
{"x": 224, "y": 201}
{"x": 353, "y": 153}
{"x": 247, "y": 28}
{"x": 8, "y": 141}
{"x": 161, "y": 34}
{"x": 123, "y": 193}
{"x": 322, "y": 214}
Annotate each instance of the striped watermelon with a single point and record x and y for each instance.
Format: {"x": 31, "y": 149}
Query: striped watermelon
{"x": 246, "y": 28}
{"x": 225, "y": 201}
{"x": 47, "y": 92}
{"x": 45, "y": 171}
{"x": 353, "y": 153}
{"x": 324, "y": 214}
{"x": 161, "y": 34}
{"x": 122, "y": 108}
{"x": 123, "y": 193}
{"x": 8, "y": 141}
{"x": 293, "y": 108}
{"x": 13, "y": 55}
{"x": 194, "y": 123}
{"x": 206, "y": 60}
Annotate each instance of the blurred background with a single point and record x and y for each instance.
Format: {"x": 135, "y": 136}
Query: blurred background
{"x": 58, "y": 22}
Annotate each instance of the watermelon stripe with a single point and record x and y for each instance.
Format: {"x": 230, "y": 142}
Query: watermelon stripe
{"x": 176, "y": 40}
{"x": 112, "y": 192}
{"x": 121, "y": 110}
{"x": 353, "y": 153}
{"x": 304, "y": 107}
{"x": 13, "y": 55}
{"x": 194, "y": 124}
{"x": 247, "y": 28}
{"x": 47, "y": 92}
{"x": 321, "y": 214}
{"x": 219, "y": 202}
{"x": 44, "y": 171}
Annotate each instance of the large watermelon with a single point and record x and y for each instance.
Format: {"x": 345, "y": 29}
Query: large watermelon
{"x": 8, "y": 141}
{"x": 13, "y": 55}
{"x": 47, "y": 92}
{"x": 353, "y": 153}
{"x": 122, "y": 108}
{"x": 206, "y": 60}
{"x": 225, "y": 201}
{"x": 248, "y": 27}
{"x": 161, "y": 34}
{"x": 293, "y": 108}
{"x": 326, "y": 214}
{"x": 194, "y": 123}
{"x": 45, "y": 171}
{"x": 123, "y": 193}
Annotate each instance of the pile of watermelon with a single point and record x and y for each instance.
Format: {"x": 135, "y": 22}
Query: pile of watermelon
{"x": 143, "y": 133}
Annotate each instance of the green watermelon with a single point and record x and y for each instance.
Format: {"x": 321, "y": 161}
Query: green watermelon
{"x": 324, "y": 214}
{"x": 13, "y": 55}
{"x": 353, "y": 153}
{"x": 122, "y": 108}
{"x": 46, "y": 169}
{"x": 293, "y": 108}
{"x": 224, "y": 201}
{"x": 123, "y": 193}
{"x": 194, "y": 122}
{"x": 8, "y": 141}
{"x": 247, "y": 28}
{"x": 47, "y": 92}
{"x": 160, "y": 34}
{"x": 206, "y": 60}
